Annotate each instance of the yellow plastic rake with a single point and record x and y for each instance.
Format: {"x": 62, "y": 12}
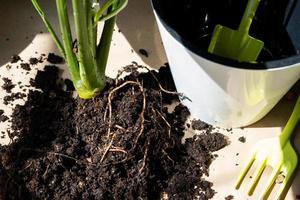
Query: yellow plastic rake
{"x": 276, "y": 152}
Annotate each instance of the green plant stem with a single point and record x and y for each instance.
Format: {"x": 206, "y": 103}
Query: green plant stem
{"x": 92, "y": 30}
{"x": 104, "y": 44}
{"x": 87, "y": 63}
{"x": 67, "y": 41}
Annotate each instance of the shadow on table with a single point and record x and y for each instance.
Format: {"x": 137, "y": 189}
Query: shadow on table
{"x": 19, "y": 25}
{"x": 138, "y": 25}
{"x": 280, "y": 114}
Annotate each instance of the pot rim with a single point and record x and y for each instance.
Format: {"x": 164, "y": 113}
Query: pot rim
{"x": 278, "y": 64}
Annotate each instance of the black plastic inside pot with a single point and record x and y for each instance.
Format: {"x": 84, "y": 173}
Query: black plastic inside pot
{"x": 277, "y": 23}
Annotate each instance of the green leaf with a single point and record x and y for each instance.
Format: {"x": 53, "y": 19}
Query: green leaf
{"x": 118, "y": 6}
{"x": 49, "y": 27}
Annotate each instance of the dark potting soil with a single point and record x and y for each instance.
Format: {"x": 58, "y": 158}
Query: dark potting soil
{"x": 3, "y": 117}
{"x": 229, "y": 197}
{"x": 55, "y": 59}
{"x": 123, "y": 144}
{"x": 12, "y": 97}
{"x": 25, "y": 66}
{"x": 197, "y": 20}
{"x": 197, "y": 124}
{"x": 7, "y": 85}
{"x": 69, "y": 85}
{"x": 15, "y": 58}
{"x": 34, "y": 61}
{"x": 242, "y": 139}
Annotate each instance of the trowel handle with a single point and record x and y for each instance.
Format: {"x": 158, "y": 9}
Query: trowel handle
{"x": 248, "y": 16}
{"x": 291, "y": 124}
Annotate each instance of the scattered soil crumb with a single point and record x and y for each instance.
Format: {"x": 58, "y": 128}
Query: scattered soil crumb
{"x": 41, "y": 59}
{"x": 14, "y": 96}
{"x": 33, "y": 61}
{"x": 55, "y": 59}
{"x": 8, "y": 85}
{"x": 197, "y": 124}
{"x": 229, "y": 197}
{"x": 242, "y": 139}
{"x": 3, "y": 118}
{"x": 15, "y": 58}
{"x": 144, "y": 52}
{"x": 25, "y": 66}
{"x": 8, "y": 66}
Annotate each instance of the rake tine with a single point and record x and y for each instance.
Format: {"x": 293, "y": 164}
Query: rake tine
{"x": 270, "y": 182}
{"x": 289, "y": 172}
{"x": 259, "y": 170}
{"x": 244, "y": 172}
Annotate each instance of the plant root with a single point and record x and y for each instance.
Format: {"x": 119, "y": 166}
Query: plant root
{"x": 109, "y": 105}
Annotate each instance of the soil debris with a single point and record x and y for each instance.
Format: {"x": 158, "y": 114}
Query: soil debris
{"x": 3, "y": 117}
{"x": 25, "y": 66}
{"x": 8, "y": 85}
{"x": 14, "y": 96}
{"x": 55, "y": 59}
{"x": 242, "y": 139}
{"x": 33, "y": 61}
{"x": 8, "y": 66}
{"x": 122, "y": 144}
{"x": 229, "y": 129}
{"x": 229, "y": 197}
{"x": 15, "y": 58}
{"x": 197, "y": 124}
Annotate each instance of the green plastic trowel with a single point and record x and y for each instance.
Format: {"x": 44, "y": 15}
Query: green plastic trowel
{"x": 237, "y": 44}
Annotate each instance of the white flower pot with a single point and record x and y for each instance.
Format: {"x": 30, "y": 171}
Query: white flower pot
{"x": 222, "y": 92}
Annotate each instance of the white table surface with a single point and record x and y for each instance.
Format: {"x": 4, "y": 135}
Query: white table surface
{"x": 20, "y": 33}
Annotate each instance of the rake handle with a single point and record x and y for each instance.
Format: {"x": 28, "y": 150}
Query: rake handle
{"x": 248, "y": 16}
{"x": 291, "y": 124}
